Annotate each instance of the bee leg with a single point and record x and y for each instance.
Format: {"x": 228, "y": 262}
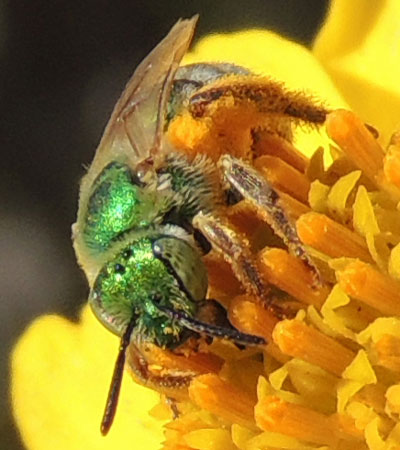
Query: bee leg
{"x": 234, "y": 250}
{"x": 171, "y": 402}
{"x": 267, "y": 96}
{"x": 237, "y": 253}
{"x": 140, "y": 368}
{"x": 255, "y": 188}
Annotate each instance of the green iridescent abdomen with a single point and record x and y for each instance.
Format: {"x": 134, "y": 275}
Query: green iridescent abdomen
{"x": 115, "y": 205}
{"x": 135, "y": 281}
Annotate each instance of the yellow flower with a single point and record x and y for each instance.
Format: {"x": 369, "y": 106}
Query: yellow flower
{"x": 61, "y": 370}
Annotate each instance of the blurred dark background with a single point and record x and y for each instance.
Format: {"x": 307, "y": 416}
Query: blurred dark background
{"x": 63, "y": 66}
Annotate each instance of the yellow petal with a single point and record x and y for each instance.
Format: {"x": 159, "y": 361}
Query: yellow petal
{"x": 60, "y": 377}
{"x": 359, "y": 46}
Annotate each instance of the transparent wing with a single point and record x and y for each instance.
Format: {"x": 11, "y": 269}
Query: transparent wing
{"x": 135, "y": 126}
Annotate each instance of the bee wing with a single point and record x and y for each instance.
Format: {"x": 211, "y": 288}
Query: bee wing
{"x": 134, "y": 130}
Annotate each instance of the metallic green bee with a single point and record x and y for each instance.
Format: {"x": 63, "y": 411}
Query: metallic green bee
{"x": 147, "y": 214}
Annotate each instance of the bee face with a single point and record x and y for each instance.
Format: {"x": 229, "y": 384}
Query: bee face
{"x": 128, "y": 283}
{"x": 154, "y": 198}
{"x": 151, "y": 270}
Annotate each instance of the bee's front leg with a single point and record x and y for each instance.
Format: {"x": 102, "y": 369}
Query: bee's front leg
{"x": 141, "y": 370}
{"x": 252, "y": 186}
{"x": 173, "y": 386}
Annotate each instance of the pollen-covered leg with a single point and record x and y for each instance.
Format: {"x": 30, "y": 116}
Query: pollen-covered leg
{"x": 237, "y": 253}
{"x": 253, "y": 187}
{"x": 221, "y": 116}
{"x": 141, "y": 370}
{"x": 234, "y": 250}
{"x": 267, "y": 96}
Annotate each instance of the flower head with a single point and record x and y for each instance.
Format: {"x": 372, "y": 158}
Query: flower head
{"x": 329, "y": 375}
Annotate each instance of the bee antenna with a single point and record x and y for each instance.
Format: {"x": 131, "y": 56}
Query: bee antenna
{"x": 116, "y": 380}
{"x": 209, "y": 329}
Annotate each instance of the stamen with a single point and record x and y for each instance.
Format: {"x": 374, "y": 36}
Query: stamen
{"x": 388, "y": 352}
{"x": 299, "y": 340}
{"x": 289, "y": 274}
{"x": 247, "y": 315}
{"x": 244, "y": 217}
{"x": 370, "y": 286}
{"x": 223, "y": 285}
{"x": 331, "y": 238}
{"x": 275, "y": 414}
{"x": 292, "y": 207}
{"x": 391, "y": 166}
{"x": 219, "y": 397}
{"x": 373, "y": 395}
{"x": 267, "y": 143}
{"x": 350, "y": 133}
{"x": 284, "y": 177}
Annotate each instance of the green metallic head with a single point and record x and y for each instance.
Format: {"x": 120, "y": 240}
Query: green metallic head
{"x": 148, "y": 271}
